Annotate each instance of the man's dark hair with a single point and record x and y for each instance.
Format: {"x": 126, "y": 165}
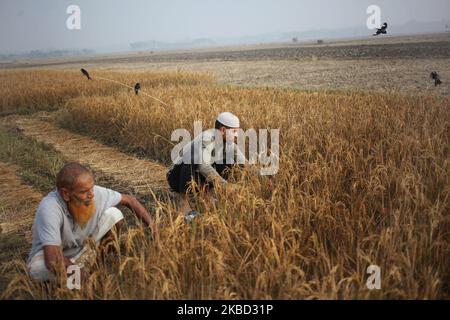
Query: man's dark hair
{"x": 67, "y": 176}
{"x": 219, "y": 125}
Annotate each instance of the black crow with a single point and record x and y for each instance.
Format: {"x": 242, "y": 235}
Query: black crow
{"x": 382, "y": 30}
{"x": 437, "y": 80}
{"x": 137, "y": 87}
{"x": 83, "y": 71}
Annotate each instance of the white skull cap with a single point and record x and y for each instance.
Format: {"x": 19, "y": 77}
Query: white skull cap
{"x": 228, "y": 119}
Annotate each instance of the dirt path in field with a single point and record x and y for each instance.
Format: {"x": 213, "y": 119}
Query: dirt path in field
{"x": 141, "y": 176}
{"x": 18, "y": 202}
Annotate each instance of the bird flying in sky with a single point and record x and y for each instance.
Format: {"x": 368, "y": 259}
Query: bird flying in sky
{"x": 382, "y": 30}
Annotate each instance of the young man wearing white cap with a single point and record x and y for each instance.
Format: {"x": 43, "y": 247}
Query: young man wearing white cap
{"x": 206, "y": 160}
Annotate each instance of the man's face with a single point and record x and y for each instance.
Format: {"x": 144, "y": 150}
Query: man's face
{"x": 80, "y": 199}
{"x": 229, "y": 135}
{"x": 82, "y": 191}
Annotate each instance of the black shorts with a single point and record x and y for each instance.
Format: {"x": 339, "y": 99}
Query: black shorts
{"x": 181, "y": 176}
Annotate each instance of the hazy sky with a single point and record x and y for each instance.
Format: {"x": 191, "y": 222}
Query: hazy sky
{"x": 41, "y": 24}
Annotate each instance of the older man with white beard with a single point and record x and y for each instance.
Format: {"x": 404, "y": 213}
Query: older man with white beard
{"x": 69, "y": 216}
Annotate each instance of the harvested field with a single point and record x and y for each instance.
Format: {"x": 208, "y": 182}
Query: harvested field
{"x": 376, "y": 64}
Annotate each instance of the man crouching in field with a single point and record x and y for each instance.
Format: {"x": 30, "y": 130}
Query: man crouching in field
{"x": 69, "y": 217}
{"x": 206, "y": 160}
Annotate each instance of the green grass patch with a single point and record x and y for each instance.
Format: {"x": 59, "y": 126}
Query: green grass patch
{"x": 38, "y": 163}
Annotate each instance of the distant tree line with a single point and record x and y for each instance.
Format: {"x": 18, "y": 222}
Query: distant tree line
{"x": 39, "y": 54}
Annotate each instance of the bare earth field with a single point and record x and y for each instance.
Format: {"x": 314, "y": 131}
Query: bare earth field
{"x": 390, "y": 63}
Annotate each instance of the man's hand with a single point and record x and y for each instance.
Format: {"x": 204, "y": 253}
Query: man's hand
{"x": 138, "y": 209}
{"x": 55, "y": 261}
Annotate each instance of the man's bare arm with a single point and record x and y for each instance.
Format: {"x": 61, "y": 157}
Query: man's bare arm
{"x": 54, "y": 258}
{"x": 138, "y": 209}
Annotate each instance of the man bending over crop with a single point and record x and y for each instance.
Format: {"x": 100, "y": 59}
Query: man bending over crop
{"x": 206, "y": 160}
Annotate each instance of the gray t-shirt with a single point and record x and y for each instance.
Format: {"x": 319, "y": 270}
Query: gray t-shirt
{"x": 54, "y": 225}
{"x": 203, "y": 148}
